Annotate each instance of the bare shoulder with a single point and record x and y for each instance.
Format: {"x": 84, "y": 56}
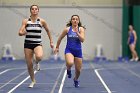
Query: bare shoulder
{"x": 24, "y": 21}
{"x": 82, "y": 28}
{"x": 42, "y": 20}
{"x": 133, "y": 31}
{"x": 66, "y": 29}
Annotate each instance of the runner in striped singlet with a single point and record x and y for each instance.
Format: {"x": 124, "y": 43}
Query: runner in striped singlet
{"x": 31, "y": 28}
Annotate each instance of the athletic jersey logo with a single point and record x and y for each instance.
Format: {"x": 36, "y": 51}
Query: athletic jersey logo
{"x": 73, "y": 36}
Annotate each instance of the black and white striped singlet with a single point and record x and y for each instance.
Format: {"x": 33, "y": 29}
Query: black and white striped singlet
{"x": 33, "y": 36}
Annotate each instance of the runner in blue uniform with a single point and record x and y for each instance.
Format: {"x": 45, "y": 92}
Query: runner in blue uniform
{"x": 31, "y": 28}
{"x": 73, "y": 52}
{"x": 132, "y": 39}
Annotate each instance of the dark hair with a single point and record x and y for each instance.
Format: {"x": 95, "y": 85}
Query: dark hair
{"x": 79, "y": 24}
{"x": 34, "y": 5}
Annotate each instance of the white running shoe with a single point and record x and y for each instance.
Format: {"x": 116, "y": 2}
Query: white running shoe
{"x": 136, "y": 59}
{"x": 31, "y": 85}
{"x": 37, "y": 66}
{"x": 132, "y": 59}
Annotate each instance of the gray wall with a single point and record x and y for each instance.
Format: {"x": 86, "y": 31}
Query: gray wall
{"x": 60, "y": 2}
{"x": 103, "y": 26}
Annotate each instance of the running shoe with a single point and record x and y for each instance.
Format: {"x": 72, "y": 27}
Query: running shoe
{"x": 69, "y": 73}
{"x": 132, "y": 59}
{"x": 37, "y": 66}
{"x": 136, "y": 59}
{"x": 31, "y": 85}
{"x": 76, "y": 83}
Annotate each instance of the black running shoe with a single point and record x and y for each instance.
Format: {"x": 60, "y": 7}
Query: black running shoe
{"x": 76, "y": 83}
{"x": 69, "y": 73}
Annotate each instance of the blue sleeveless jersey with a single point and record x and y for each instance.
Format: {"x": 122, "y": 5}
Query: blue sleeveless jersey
{"x": 131, "y": 36}
{"x": 73, "y": 41}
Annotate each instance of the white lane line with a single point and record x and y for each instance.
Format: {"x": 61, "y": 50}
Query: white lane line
{"x": 28, "y": 83}
{"x": 102, "y": 81}
{"x": 8, "y": 70}
{"x": 129, "y": 70}
{"x": 100, "y": 78}
{"x": 10, "y": 91}
{"x": 24, "y": 69}
{"x": 4, "y": 71}
{"x": 56, "y": 82}
{"x": 62, "y": 83}
{"x": 13, "y": 79}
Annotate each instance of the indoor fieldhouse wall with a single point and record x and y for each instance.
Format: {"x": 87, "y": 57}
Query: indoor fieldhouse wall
{"x": 62, "y": 2}
{"x": 103, "y": 26}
